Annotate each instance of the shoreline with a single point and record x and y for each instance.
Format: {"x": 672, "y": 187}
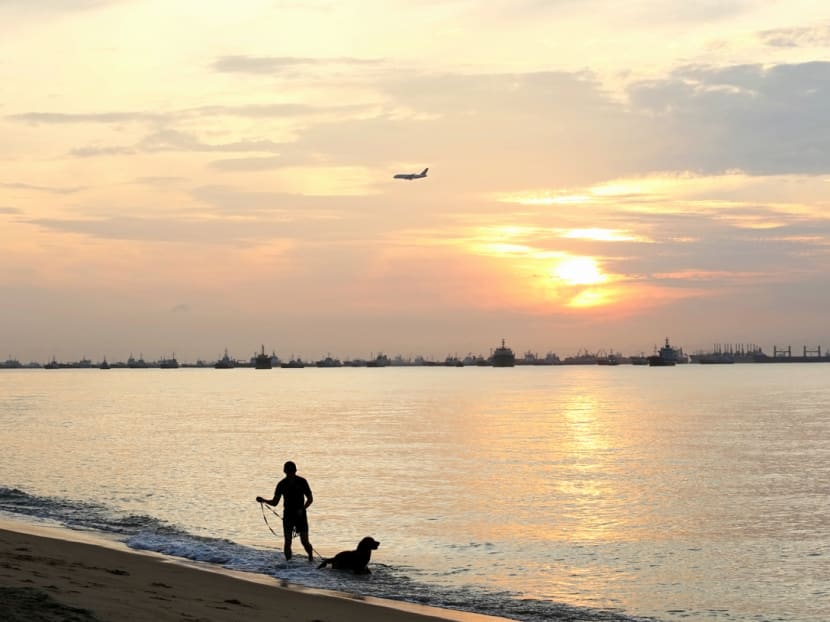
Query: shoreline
{"x": 53, "y": 573}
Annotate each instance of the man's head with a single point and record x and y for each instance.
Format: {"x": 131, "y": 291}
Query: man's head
{"x": 289, "y": 468}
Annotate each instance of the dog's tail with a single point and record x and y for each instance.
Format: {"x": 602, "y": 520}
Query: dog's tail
{"x": 324, "y": 563}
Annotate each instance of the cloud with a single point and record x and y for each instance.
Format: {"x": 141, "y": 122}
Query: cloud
{"x": 248, "y": 164}
{"x": 159, "y": 180}
{"x": 163, "y": 229}
{"x": 633, "y": 15}
{"x": 60, "y": 118}
{"x": 250, "y": 111}
{"x": 268, "y": 65}
{"x": 165, "y": 137}
{"x": 564, "y": 127}
{"x": 174, "y": 140}
{"x": 305, "y": 5}
{"x": 59, "y": 5}
{"x": 9, "y": 210}
{"x": 813, "y": 36}
{"x": 49, "y": 189}
{"x": 95, "y": 151}
{"x": 763, "y": 120}
{"x": 693, "y": 12}
{"x": 262, "y": 111}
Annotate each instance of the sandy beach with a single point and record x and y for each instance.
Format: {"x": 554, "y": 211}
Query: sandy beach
{"x": 48, "y": 579}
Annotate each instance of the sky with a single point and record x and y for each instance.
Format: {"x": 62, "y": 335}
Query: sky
{"x": 178, "y": 178}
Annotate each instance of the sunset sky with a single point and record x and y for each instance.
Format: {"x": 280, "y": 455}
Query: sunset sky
{"x": 177, "y": 178}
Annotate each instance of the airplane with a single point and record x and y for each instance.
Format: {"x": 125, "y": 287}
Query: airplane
{"x": 411, "y": 176}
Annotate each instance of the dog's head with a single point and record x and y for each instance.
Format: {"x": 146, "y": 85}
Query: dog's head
{"x": 368, "y": 544}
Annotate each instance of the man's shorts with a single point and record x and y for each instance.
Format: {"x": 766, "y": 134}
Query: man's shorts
{"x": 296, "y": 520}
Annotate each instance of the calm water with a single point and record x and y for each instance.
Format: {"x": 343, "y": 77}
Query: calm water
{"x": 544, "y": 493}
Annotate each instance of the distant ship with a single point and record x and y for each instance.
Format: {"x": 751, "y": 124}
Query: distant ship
{"x": 715, "y": 358}
{"x": 667, "y": 356}
{"x": 328, "y": 362}
{"x": 294, "y": 363}
{"x": 225, "y": 362}
{"x": 730, "y": 353}
{"x": 503, "y": 356}
{"x": 476, "y": 359}
{"x": 381, "y": 360}
{"x": 262, "y": 360}
{"x": 138, "y": 363}
{"x": 169, "y": 363}
{"x": 612, "y": 358}
{"x": 583, "y": 357}
{"x": 640, "y": 359}
{"x": 531, "y": 358}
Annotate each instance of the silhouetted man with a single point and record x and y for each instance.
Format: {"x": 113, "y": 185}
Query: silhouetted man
{"x": 297, "y": 494}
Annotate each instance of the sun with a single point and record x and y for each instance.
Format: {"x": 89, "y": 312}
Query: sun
{"x": 579, "y": 271}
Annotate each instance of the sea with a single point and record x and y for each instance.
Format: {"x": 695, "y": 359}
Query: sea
{"x": 590, "y": 493}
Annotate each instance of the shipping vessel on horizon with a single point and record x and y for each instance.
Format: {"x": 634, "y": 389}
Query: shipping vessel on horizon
{"x": 262, "y": 360}
{"x": 667, "y": 356}
{"x": 503, "y": 356}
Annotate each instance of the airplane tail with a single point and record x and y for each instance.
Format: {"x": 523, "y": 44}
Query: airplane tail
{"x": 424, "y": 172}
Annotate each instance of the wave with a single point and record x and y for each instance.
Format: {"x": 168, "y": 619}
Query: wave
{"x": 388, "y": 582}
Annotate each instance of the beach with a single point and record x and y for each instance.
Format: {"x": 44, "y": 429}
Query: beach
{"x": 48, "y": 579}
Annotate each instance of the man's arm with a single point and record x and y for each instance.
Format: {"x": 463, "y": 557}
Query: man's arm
{"x": 309, "y": 498}
{"x": 273, "y": 501}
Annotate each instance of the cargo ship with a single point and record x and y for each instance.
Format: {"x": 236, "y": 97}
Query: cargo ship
{"x": 503, "y": 356}
{"x": 666, "y": 356}
{"x": 262, "y": 360}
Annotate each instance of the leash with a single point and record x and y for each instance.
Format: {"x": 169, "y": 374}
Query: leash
{"x": 265, "y": 518}
{"x": 274, "y": 512}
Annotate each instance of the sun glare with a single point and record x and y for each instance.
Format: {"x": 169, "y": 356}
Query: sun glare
{"x": 601, "y": 235}
{"x": 579, "y": 271}
{"x": 589, "y": 298}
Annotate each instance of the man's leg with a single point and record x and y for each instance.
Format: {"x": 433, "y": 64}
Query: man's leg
{"x": 307, "y": 545}
{"x": 288, "y": 532}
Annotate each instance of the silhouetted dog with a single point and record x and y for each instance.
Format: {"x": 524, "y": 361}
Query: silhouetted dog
{"x": 357, "y": 561}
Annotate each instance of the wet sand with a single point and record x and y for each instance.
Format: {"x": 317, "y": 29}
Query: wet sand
{"x": 51, "y": 579}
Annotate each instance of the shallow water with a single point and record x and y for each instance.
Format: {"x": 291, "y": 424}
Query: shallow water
{"x": 694, "y": 492}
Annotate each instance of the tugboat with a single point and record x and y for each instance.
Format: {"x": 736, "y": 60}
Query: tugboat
{"x": 262, "y": 360}
{"x": 667, "y": 356}
{"x": 503, "y": 356}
